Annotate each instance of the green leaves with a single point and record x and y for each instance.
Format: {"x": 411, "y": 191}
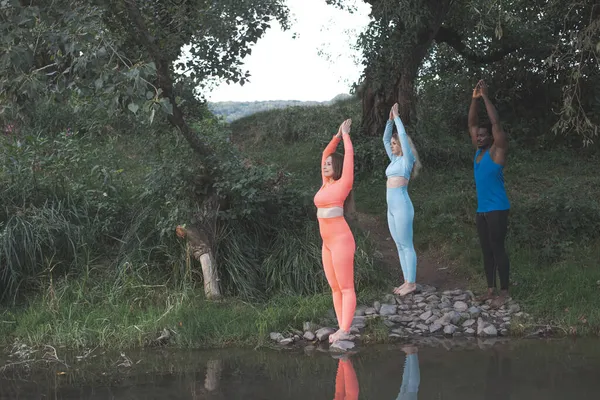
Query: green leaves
{"x": 133, "y": 107}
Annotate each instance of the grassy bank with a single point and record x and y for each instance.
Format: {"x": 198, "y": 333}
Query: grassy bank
{"x": 554, "y": 233}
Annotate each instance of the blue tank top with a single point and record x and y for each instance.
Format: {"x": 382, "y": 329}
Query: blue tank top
{"x": 489, "y": 183}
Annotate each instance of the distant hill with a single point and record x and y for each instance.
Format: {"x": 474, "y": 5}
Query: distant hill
{"x": 232, "y": 110}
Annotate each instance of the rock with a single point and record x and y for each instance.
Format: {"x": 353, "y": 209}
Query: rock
{"x": 425, "y": 288}
{"x": 514, "y": 308}
{"x": 354, "y": 330}
{"x": 490, "y": 330}
{"x": 435, "y": 327}
{"x": 389, "y": 323}
{"x": 342, "y": 345}
{"x": 422, "y": 305}
{"x": 370, "y": 311}
{"x": 431, "y": 319}
{"x": 308, "y": 335}
{"x": 323, "y": 333}
{"x": 506, "y": 319}
{"x": 286, "y": 342}
{"x": 470, "y": 331}
{"x": 455, "y": 317}
{"x": 388, "y": 309}
{"x": 377, "y": 306}
{"x": 389, "y": 299}
{"x": 485, "y": 307}
{"x": 359, "y": 322}
{"x": 296, "y": 338}
{"x": 426, "y": 315}
{"x": 403, "y": 307}
{"x": 422, "y": 327}
{"x": 465, "y": 316}
{"x": 461, "y": 306}
{"x": 400, "y": 318}
{"x": 276, "y": 336}
{"x": 504, "y": 332}
{"x": 474, "y": 312}
{"x": 449, "y": 330}
{"x": 360, "y": 311}
{"x": 468, "y": 323}
{"x": 433, "y": 298}
{"x": 462, "y": 297}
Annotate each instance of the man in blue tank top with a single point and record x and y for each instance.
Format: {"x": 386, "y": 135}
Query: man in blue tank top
{"x": 492, "y": 202}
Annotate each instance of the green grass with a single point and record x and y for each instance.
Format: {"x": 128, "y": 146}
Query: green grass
{"x": 75, "y": 314}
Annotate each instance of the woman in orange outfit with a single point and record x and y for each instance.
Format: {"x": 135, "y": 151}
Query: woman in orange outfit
{"x": 338, "y": 243}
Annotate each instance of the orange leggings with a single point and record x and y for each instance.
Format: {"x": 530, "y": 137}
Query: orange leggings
{"x": 338, "y": 263}
{"x": 346, "y": 384}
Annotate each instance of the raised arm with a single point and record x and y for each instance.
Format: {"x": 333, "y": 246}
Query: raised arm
{"x": 387, "y": 137}
{"x": 329, "y": 150}
{"x": 406, "y": 149}
{"x": 473, "y": 120}
{"x": 500, "y": 141}
{"x": 347, "y": 178}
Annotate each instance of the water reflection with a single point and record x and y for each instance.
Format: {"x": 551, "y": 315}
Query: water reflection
{"x": 498, "y": 377}
{"x": 411, "y": 377}
{"x": 519, "y": 370}
{"x": 346, "y": 384}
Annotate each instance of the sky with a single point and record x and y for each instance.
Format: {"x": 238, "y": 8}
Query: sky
{"x": 284, "y": 68}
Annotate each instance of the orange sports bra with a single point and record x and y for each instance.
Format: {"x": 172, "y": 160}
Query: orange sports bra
{"x": 333, "y": 193}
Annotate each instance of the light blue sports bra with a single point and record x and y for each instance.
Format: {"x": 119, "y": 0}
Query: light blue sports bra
{"x": 399, "y": 165}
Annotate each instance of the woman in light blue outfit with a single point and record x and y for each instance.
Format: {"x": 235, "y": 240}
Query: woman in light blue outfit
{"x": 412, "y": 375}
{"x": 404, "y": 164}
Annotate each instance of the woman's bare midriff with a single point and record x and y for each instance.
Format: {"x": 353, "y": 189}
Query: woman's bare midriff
{"x": 396, "y": 182}
{"x": 330, "y": 212}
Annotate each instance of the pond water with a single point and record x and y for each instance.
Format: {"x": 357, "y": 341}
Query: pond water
{"x": 443, "y": 370}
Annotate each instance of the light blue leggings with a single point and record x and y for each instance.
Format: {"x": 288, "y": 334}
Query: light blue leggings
{"x": 410, "y": 379}
{"x": 400, "y": 221}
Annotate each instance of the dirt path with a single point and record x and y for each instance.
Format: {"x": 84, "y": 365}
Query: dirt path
{"x": 431, "y": 268}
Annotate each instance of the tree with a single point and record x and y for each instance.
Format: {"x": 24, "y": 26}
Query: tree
{"x": 403, "y": 34}
{"x": 123, "y": 52}
{"x": 124, "y": 55}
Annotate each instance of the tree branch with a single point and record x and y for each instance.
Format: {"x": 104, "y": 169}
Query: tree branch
{"x": 164, "y": 79}
{"x": 454, "y": 40}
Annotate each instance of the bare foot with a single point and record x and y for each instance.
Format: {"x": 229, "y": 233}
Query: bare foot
{"x": 332, "y": 337}
{"x": 399, "y": 288}
{"x": 500, "y": 299}
{"x": 486, "y": 296}
{"x": 339, "y": 335}
{"x": 343, "y": 335}
{"x": 409, "y": 288}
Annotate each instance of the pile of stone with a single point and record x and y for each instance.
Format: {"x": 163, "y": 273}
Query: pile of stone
{"x": 451, "y": 313}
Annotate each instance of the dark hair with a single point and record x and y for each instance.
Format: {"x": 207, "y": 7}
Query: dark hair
{"x": 488, "y": 126}
{"x": 337, "y": 163}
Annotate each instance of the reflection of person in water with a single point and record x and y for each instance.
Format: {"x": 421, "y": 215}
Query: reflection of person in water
{"x": 412, "y": 375}
{"x": 498, "y": 378}
{"x": 346, "y": 384}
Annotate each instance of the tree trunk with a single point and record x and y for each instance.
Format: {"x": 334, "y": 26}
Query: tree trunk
{"x": 200, "y": 243}
{"x": 378, "y": 98}
{"x": 213, "y": 375}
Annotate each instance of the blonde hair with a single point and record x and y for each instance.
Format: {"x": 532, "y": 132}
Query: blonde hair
{"x": 417, "y": 165}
